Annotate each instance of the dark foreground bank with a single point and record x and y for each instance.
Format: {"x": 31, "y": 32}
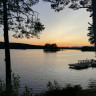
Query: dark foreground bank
{"x": 69, "y": 90}
{"x": 53, "y": 89}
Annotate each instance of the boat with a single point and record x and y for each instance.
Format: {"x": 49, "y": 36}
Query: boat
{"x": 82, "y": 64}
{"x": 93, "y": 63}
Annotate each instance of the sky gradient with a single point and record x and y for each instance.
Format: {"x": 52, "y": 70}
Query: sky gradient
{"x": 66, "y": 28}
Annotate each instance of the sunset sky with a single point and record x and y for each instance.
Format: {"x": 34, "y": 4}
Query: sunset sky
{"x": 66, "y": 28}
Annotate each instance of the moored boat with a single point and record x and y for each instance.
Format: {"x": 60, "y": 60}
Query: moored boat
{"x": 93, "y": 63}
{"x": 81, "y": 64}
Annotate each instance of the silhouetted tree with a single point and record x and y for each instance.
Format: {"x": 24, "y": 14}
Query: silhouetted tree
{"x": 19, "y": 17}
{"x": 51, "y": 47}
{"x": 59, "y": 5}
{"x": 91, "y": 34}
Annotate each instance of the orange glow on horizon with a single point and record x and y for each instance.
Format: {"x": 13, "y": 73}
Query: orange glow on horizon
{"x": 59, "y": 44}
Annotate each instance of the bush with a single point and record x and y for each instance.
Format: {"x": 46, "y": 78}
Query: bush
{"x": 53, "y": 89}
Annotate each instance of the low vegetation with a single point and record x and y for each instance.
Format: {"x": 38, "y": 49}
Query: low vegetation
{"x": 76, "y": 90}
{"x": 53, "y": 89}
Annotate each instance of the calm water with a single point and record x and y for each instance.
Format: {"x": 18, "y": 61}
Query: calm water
{"x": 36, "y": 68}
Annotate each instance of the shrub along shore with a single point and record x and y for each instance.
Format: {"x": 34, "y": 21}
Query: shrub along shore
{"x": 53, "y": 89}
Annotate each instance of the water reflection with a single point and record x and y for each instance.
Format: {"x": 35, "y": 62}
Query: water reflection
{"x": 36, "y": 68}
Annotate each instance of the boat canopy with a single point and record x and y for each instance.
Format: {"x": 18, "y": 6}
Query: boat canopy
{"x": 84, "y": 61}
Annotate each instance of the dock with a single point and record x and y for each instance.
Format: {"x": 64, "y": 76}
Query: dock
{"x": 82, "y": 64}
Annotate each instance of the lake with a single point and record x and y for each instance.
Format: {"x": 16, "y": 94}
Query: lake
{"x": 36, "y": 68}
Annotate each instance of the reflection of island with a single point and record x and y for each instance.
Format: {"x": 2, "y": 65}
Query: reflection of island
{"x": 51, "y": 48}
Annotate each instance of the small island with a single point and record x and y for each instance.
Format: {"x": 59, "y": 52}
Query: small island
{"x": 51, "y": 48}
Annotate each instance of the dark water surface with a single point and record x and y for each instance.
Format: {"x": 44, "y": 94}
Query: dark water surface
{"x": 36, "y": 68}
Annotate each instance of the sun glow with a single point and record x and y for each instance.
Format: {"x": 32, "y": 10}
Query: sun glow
{"x": 66, "y": 28}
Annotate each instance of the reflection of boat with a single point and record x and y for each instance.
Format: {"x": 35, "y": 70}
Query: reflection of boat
{"x": 81, "y": 64}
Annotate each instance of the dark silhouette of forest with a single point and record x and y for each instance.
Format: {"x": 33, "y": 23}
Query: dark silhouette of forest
{"x": 87, "y": 48}
{"x": 21, "y": 46}
{"x": 46, "y": 48}
{"x": 28, "y": 46}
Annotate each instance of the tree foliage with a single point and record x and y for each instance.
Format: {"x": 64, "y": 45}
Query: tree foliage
{"x": 91, "y": 34}
{"x": 22, "y": 19}
{"x": 59, "y": 5}
{"x": 19, "y": 17}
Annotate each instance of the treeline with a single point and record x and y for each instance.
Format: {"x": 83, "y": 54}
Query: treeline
{"x": 47, "y": 47}
{"x": 21, "y": 46}
{"x": 88, "y": 48}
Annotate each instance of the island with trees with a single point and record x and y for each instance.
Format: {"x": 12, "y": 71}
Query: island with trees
{"x": 51, "y": 48}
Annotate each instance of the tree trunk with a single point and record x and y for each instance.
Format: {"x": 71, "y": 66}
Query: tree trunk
{"x": 6, "y": 41}
{"x": 94, "y": 20}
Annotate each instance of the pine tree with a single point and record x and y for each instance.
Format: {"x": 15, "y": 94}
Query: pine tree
{"x": 19, "y": 17}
